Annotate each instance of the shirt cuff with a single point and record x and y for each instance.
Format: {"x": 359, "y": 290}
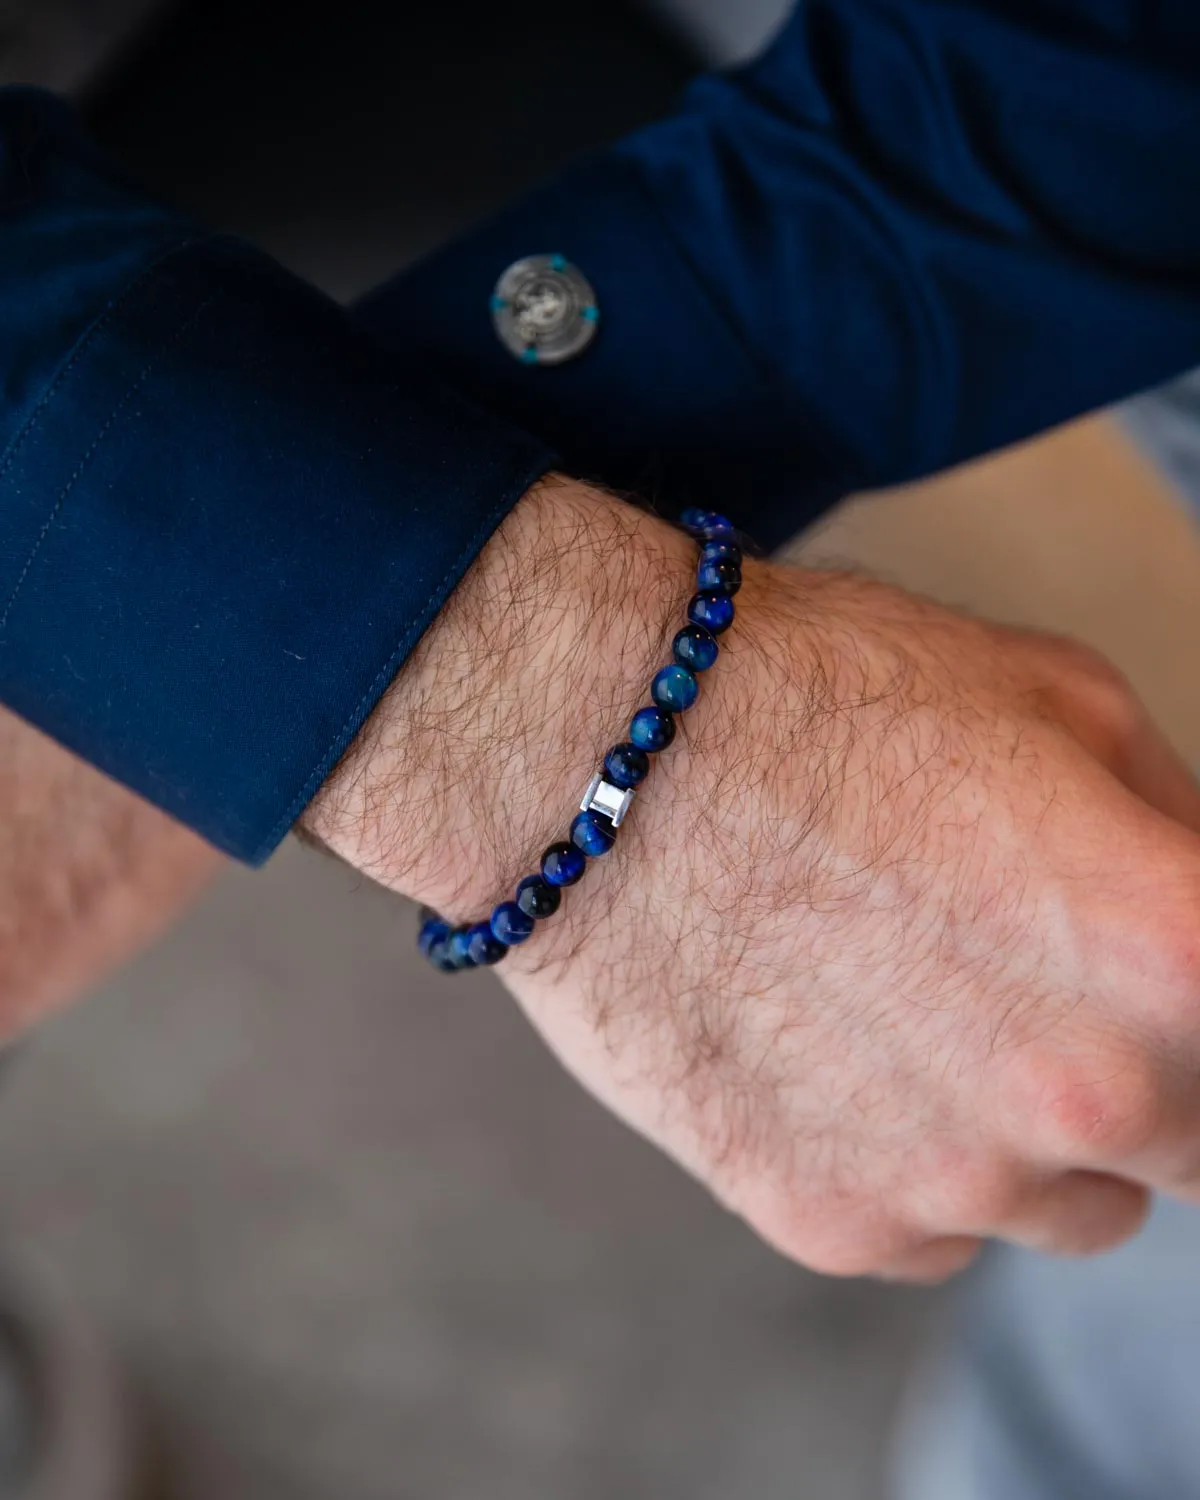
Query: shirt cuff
{"x": 665, "y": 400}
{"x": 226, "y": 522}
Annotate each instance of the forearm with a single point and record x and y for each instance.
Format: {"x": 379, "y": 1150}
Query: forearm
{"x": 227, "y": 511}
{"x": 486, "y": 739}
{"x": 894, "y": 949}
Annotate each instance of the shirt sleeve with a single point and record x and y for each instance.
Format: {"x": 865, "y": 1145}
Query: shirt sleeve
{"x": 911, "y": 232}
{"x": 227, "y": 510}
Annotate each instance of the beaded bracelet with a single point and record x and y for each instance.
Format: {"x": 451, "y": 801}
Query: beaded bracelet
{"x": 610, "y": 792}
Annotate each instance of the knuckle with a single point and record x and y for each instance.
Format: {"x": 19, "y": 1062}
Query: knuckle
{"x": 1168, "y": 952}
{"x": 1082, "y": 1213}
{"x": 974, "y": 1196}
{"x": 1106, "y": 1109}
{"x": 1097, "y": 674}
{"x": 1104, "y": 694}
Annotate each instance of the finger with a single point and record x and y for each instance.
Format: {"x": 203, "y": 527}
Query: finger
{"x": 1152, "y": 770}
{"x": 935, "y": 1260}
{"x": 1108, "y": 718}
{"x": 1079, "y": 1213}
{"x": 1171, "y": 1168}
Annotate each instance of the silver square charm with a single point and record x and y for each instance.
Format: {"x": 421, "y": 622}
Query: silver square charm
{"x": 602, "y": 797}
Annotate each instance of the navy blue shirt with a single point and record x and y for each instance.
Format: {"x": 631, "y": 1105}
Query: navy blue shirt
{"x": 912, "y": 231}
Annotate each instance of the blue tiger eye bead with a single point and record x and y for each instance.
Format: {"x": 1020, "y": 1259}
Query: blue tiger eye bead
{"x": 483, "y": 946}
{"x": 707, "y": 525}
{"x": 675, "y": 688}
{"x": 652, "y": 728}
{"x": 433, "y": 931}
{"x": 563, "y": 864}
{"x": 510, "y": 925}
{"x": 719, "y": 577}
{"x": 713, "y": 611}
{"x": 695, "y": 647}
{"x": 721, "y": 552}
{"x": 439, "y": 956}
{"x": 536, "y": 898}
{"x": 626, "y": 766}
{"x": 591, "y": 835}
{"x": 458, "y": 949}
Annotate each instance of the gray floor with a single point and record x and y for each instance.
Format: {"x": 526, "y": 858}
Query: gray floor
{"x": 358, "y": 1237}
{"x": 353, "y": 1232}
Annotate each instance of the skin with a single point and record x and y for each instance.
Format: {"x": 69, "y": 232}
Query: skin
{"x": 898, "y": 947}
{"x": 896, "y": 950}
{"x": 89, "y": 873}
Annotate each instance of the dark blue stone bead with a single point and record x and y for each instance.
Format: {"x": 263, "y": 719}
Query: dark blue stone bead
{"x": 713, "y": 611}
{"x": 536, "y": 898}
{"x": 695, "y": 647}
{"x": 652, "y": 728}
{"x": 718, "y": 577}
{"x": 433, "y": 931}
{"x": 563, "y": 864}
{"x": 675, "y": 688}
{"x": 707, "y": 525}
{"x": 721, "y": 552}
{"x": 439, "y": 956}
{"x": 592, "y": 834}
{"x": 510, "y": 924}
{"x": 626, "y": 765}
{"x": 458, "y": 948}
{"x": 483, "y": 945}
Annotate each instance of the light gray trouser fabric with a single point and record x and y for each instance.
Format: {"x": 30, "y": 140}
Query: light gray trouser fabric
{"x": 1066, "y": 1380}
{"x": 1069, "y": 1380}
{"x": 1166, "y": 423}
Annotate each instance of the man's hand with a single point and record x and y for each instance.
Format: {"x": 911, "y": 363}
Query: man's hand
{"x": 900, "y": 944}
{"x": 88, "y": 874}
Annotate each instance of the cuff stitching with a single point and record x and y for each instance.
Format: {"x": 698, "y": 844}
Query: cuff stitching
{"x": 80, "y": 349}
{"x": 185, "y": 327}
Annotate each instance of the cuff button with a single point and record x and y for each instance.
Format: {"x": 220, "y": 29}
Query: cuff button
{"x": 544, "y": 310}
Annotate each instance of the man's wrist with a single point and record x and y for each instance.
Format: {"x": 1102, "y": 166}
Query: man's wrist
{"x": 476, "y": 756}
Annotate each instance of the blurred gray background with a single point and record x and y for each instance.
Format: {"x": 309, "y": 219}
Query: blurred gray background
{"x": 348, "y": 1226}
